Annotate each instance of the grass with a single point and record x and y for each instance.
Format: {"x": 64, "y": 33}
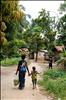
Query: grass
{"x": 54, "y": 81}
{"x": 9, "y": 61}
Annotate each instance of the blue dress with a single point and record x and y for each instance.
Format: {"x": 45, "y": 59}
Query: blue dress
{"x": 21, "y": 75}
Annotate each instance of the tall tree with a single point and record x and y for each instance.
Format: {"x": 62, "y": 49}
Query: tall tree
{"x": 62, "y": 25}
{"x": 10, "y": 15}
{"x": 11, "y": 18}
{"x": 47, "y": 23}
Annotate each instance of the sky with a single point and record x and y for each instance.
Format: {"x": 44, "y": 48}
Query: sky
{"x": 33, "y": 7}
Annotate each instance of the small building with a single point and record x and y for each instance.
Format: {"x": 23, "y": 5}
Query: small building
{"x": 45, "y": 54}
{"x": 57, "y": 50}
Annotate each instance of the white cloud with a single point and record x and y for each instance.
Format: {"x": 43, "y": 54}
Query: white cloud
{"x": 33, "y": 7}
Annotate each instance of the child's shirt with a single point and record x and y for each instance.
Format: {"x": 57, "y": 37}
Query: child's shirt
{"x": 34, "y": 75}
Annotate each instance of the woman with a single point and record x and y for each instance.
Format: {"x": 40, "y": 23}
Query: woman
{"x": 22, "y": 73}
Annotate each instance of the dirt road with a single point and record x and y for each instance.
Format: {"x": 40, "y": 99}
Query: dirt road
{"x": 10, "y": 92}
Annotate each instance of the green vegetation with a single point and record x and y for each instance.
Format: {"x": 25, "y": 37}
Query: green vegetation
{"x": 13, "y": 22}
{"x": 10, "y": 61}
{"x": 55, "y": 82}
{"x": 17, "y": 32}
{"x": 62, "y": 60}
{"x": 61, "y": 25}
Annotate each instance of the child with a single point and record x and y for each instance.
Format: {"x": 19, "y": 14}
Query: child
{"x": 34, "y": 76}
{"x": 50, "y": 62}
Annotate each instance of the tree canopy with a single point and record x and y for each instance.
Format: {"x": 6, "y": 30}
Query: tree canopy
{"x": 16, "y": 31}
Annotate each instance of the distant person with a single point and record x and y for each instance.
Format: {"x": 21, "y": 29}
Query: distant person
{"x": 22, "y": 67}
{"x": 34, "y": 76}
{"x": 50, "y": 62}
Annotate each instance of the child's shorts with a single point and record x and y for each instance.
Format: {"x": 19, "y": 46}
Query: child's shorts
{"x": 34, "y": 81}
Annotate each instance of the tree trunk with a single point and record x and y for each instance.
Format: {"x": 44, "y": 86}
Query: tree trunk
{"x": 36, "y": 56}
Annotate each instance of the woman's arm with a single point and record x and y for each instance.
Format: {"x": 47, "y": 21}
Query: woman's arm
{"x": 17, "y": 71}
{"x": 27, "y": 68}
{"x": 18, "y": 68}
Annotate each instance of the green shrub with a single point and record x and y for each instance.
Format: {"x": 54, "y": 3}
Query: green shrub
{"x": 54, "y": 73}
{"x": 9, "y": 61}
{"x": 55, "y": 82}
{"x": 62, "y": 60}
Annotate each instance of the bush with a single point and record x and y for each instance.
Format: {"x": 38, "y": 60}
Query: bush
{"x": 62, "y": 60}
{"x": 54, "y": 73}
{"x": 55, "y": 82}
{"x": 9, "y": 61}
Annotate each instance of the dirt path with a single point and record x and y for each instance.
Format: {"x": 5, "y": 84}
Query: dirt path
{"x": 10, "y": 92}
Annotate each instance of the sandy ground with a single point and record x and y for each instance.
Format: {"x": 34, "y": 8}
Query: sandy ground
{"x": 11, "y": 92}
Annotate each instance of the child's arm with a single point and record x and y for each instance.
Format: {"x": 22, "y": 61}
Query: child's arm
{"x": 30, "y": 73}
{"x": 37, "y": 72}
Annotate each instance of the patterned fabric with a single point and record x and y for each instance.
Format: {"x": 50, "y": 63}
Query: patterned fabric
{"x": 34, "y": 75}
